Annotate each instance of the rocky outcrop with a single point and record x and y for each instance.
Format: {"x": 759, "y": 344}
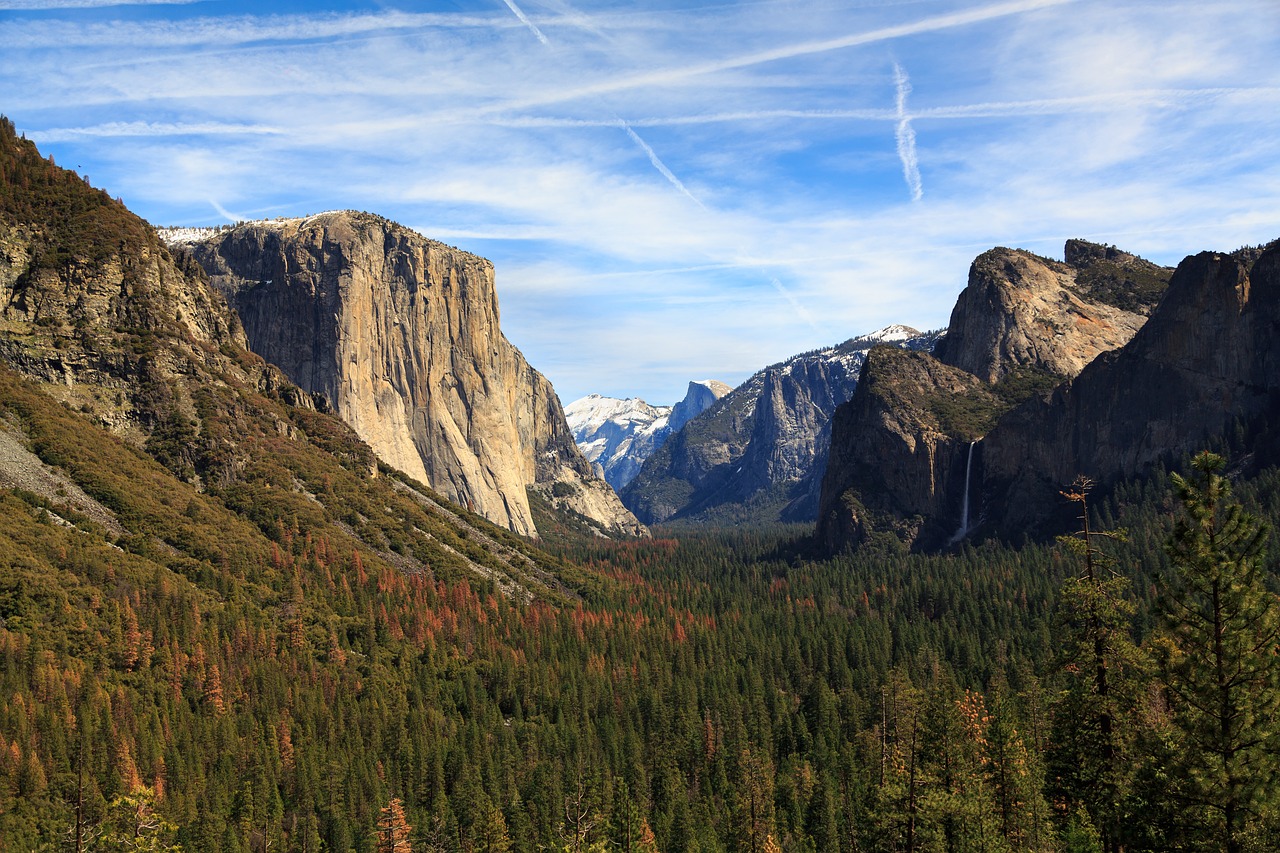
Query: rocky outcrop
{"x": 617, "y": 436}
{"x": 757, "y": 454}
{"x": 94, "y": 307}
{"x": 400, "y": 335}
{"x": 699, "y": 397}
{"x": 1206, "y": 362}
{"x": 896, "y": 463}
{"x": 1021, "y": 310}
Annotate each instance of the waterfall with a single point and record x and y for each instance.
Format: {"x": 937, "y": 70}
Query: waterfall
{"x": 964, "y": 506}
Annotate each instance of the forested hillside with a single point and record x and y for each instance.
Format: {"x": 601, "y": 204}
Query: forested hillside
{"x": 259, "y": 687}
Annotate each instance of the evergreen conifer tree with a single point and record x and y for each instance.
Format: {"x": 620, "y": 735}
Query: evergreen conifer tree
{"x": 1218, "y": 651}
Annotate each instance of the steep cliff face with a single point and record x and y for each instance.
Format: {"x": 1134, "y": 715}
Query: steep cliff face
{"x": 699, "y": 397}
{"x": 1206, "y": 361}
{"x": 757, "y": 454}
{"x": 1021, "y": 310}
{"x": 617, "y": 436}
{"x": 400, "y": 335}
{"x": 895, "y": 462}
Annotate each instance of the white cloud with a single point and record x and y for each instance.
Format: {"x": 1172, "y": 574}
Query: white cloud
{"x": 1134, "y": 123}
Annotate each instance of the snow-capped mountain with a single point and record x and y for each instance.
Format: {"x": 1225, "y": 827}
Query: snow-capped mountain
{"x": 617, "y": 435}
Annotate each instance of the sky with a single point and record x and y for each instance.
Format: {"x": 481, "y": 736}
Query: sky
{"x": 673, "y": 191}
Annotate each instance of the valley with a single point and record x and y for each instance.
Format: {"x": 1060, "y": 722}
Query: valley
{"x": 298, "y": 552}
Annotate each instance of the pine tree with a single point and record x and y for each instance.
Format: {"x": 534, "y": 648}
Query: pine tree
{"x": 393, "y": 829}
{"x": 1219, "y": 655}
{"x": 1091, "y": 755}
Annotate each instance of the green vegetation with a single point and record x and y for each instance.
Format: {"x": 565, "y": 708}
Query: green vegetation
{"x": 275, "y": 683}
{"x": 971, "y": 414}
{"x": 1135, "y": 286}
{"x": 83, "y": 226}
{"x": 280, "y": 645}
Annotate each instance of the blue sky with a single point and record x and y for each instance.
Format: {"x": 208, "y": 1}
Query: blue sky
{"x": 676, "y": 190}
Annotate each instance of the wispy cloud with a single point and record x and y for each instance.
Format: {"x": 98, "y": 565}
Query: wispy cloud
{"x": 226, "y": 214}
{"x": 572, "y": 159}
{"x": 906, "y": 136}
{"x": 684, "y": 73}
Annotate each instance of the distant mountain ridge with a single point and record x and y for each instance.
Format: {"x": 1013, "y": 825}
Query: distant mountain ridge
{"x": 756, "y": 454}
{"x": 618, "y": 435}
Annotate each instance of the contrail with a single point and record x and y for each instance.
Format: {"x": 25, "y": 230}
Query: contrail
{"x": 50, "y": 5}
{"x": 657, "y": 163}
{"x": 800, "y": 310}
{"x": 907, "y": 137}
{"x": 524, "y": 19}
{"x": 675, "y": 75}
{"x": 1102, "y": 102}
{"x": 635, "y": 137}
{"x": 226, "y": 214}
{"x": 143, "y": 128}
{"x": 660, "y": 166}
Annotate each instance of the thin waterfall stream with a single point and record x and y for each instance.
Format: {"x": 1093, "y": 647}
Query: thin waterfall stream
{"x": 964, "y": 506}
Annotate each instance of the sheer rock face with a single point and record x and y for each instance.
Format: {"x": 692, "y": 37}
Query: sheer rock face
{"x": 1208, "y": 358}
{"x": 892, "y": 464}
{"x": 400, "y": 335}
{"x": 1206, "y": 361}
{"x": 697, "y": 399}
{"x": 1020, "y": 310}
{"x": 900, "y": 449}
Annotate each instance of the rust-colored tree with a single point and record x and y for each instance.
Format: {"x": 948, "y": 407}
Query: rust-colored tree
{"x": 393, "y": 829}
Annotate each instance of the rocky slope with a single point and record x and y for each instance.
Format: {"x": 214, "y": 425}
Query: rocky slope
{"x": 897, "y": 463}
{"x": 757, "y": 454}
{"x": 1206, "y": 364}
{"x": 617, "y": 436}
{"x": 400, "y": 336}
{"x": 1021, "y": 310}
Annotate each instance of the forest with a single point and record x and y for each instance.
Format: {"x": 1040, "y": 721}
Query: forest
{"x": 721, "y": 690}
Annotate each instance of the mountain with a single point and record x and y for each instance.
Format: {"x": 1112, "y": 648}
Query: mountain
{"x": 757, "y": 453}
{"x": 399, "y": 336}
{"x": 1020, "y": 310}
{"x": 1058, "y": 394}
{"x": 132, "y": 409}
{"x": 619, "y": 435}
{"x": 1204, "y": 369}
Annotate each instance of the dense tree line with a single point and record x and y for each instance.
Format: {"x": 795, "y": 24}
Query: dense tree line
{"x": 718, "y": 692}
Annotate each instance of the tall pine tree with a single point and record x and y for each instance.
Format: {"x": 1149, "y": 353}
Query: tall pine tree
{"x": 1219, "y": 655}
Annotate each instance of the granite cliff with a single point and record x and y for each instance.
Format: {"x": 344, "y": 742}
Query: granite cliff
{"x": 1022, "y": 326}
{"x": 1021, "y": 310}
{"x": 1206, "y": 364}
{"x": 133, "y": 415}
{"x": 400, "y": 336}
{"x": 757, "y": 454}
